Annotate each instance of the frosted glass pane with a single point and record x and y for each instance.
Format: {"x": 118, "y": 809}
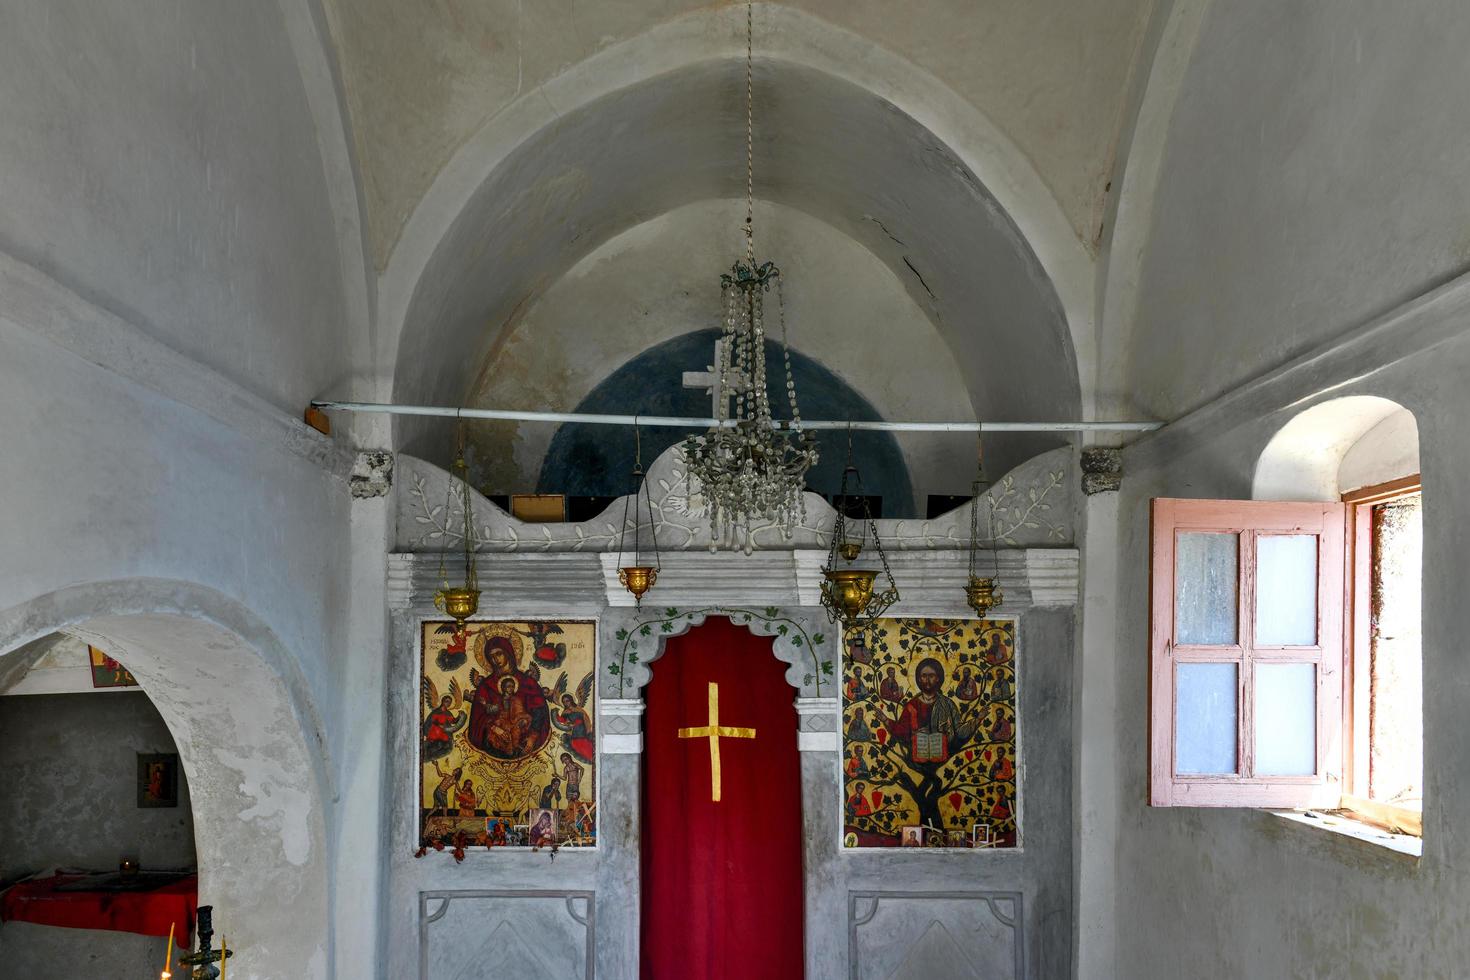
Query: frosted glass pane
{"x": 1286, "y": 590}
{"x": 1204, "y": 722}
{"x": 1286, "y": 719}
{"x": 1204, "y": 589}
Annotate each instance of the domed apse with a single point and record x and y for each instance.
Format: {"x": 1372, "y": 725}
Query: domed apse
{"x": 618, "y": 161}
{"x": 595, "y": 460}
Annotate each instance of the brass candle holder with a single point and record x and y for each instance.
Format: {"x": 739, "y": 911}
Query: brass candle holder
{"x": 848, "y": 591}
{"x": 852, "y": 596}
{"x": 982, "y": 592}
{"x": 638, "y": 576}
{"x": 458, "y": 603}
{"x": 203, "y": 961}
{"x": 982, "y": 595}
{"x": 638, "y": 579}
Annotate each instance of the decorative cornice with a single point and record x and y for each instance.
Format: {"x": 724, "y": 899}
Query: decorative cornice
{"x": 765, "y": 578}
{"x": 931, "y": 582}
{"x": 509, "y": 583}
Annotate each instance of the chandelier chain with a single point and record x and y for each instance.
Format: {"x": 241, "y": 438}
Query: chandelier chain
{"x": 749, "y": 133}
{"x": 752, "y": 472}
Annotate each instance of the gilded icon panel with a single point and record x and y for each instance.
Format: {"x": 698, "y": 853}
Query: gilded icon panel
{"x": 507, "y": 750}
{"x": 929, "y": 734}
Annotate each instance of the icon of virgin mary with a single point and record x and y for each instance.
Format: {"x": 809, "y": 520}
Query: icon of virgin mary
{"x": 509, "y": 718}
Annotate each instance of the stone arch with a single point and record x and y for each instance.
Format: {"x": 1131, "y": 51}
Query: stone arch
{"x": 799, "y": 643}
{"x": 248, "y": 739}
{"x": 418, "y": 288}
{"x": 1318, "y": 448}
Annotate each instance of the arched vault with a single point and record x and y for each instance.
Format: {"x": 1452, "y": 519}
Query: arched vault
{"x": 976, "y": 240}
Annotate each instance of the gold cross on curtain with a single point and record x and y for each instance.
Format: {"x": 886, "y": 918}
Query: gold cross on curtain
{"x": 714, "y": 731}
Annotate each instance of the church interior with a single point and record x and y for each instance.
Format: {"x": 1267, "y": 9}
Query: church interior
{"x": 694, "y": 490}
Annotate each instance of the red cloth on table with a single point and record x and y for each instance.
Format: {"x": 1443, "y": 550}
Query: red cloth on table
{"x": 148, "y": 913}
{"x": 722, "y": 881}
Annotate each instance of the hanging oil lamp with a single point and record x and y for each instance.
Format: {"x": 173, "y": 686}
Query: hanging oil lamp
{"x": 636, "y": 574}
{"x": 982, "y": 593}
{"x": 460, "y": 602}
{"x": 850, "y": 594}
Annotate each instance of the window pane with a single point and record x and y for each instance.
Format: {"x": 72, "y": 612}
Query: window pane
{"x": 1205, "y": 589}
{"x": 1286, "y": 590}
{"x": 1286, "y": 719}
{"x": 1204, "y": 721}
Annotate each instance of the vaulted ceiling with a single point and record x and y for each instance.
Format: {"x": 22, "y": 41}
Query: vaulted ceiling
{"x": 501, "y": 144}
{"x": 422, "y": 76}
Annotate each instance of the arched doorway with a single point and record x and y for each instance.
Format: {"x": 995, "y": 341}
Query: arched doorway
{"x": 721, "y": 855}
{"x": 239, "y": 714}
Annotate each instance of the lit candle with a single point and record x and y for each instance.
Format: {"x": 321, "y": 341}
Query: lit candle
{"x": 168, "y": 957}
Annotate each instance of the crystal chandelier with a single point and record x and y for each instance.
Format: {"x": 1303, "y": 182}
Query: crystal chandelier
{"x": 982, "y": 593}
{"x": 750, "y": 469}
{"x": 849, "y": 593}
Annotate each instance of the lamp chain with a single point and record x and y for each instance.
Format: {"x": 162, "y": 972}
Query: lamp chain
{"x": 749, "y": 135}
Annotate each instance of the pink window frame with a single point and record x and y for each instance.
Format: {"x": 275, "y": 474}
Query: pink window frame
{"x": 1248, "y": 520}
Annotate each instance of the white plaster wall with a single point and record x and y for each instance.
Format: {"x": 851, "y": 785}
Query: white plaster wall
{"x": 1302, "y": 460}
{"x": 160, "y": 159}
{"x": 660, "y": 280}
{"x": 170, "y": 297}
{"x": 69, "y": 765}
{"x": 1312, "y": 180}
{"x": 1309, "y": 186}
{"x": 1387, "y": 451}
{"x": 107, "y": 481}
{"x": 1248, "y": 894}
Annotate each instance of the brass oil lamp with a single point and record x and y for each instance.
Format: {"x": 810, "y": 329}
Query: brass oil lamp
{"x": 850, "y": 594}
{"x": 462, "y": 601}
{"x": 635, "y": 572}
{"x": 848, "y": 591}
{"x": 982, "y": 592}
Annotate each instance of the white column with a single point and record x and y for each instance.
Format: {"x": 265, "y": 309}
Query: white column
{"x": 621, "y": 726}
{"x": 817, "y": 724}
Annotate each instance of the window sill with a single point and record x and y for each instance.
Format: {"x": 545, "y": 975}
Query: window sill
{"x": 1355, "y": 829}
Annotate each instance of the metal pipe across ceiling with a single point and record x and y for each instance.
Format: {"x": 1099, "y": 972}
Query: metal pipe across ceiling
{"x": 508, "y": 415}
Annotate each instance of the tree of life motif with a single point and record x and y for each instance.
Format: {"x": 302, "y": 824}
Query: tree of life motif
{"x": 929, "y": 724}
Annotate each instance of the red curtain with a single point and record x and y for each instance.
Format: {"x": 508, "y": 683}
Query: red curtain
{"x": 149, "y": 913}
{"x": 722, "y": 881}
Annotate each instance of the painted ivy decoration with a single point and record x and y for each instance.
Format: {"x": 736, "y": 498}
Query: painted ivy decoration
{"x": 642, "y": 636}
